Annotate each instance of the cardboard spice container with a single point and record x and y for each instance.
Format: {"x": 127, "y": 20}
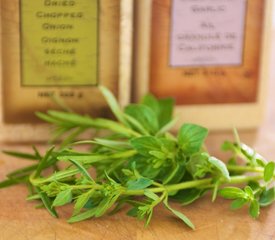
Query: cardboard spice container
{"x": 211, "y": 56}
{"x": 61, "y": 51}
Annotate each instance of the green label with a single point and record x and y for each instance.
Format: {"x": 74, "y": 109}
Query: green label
{"x": 59, "y": 42}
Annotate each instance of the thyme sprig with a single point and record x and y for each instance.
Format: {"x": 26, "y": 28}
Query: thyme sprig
{"x": 139, "y": 163}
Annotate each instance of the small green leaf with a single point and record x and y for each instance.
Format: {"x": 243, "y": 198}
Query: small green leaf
{"x": 43, "y": 162}
{"x": 150, "y": 101}
{"x": 47, "y": 203}
{"x": 136, "y": 124}
{"x": 254, "y": 209}
{"x": 175, "y": 175}
{"x": 110, "y": 98}
{"x": 163, "y": 108}
{"x": 151, "y": 195}
{"x": 149, "y": 217}
{"x": 198, "y": 165}
{"x": 249, "y": 192}
{"x": 33, "y": 197}
{"x": 166, "y": 128}
{"x": 220, "y": 166}
{"x": 133, "y": 212}
{"x": 260, "y": 162}
{"x": 238, "y": 203}
{"x": 269, "y": 171}
{"x": 11, "y": 182}
{"x": 82, "y": 169}
{"x": 22, "y": 172}
{"x": 215, "y": 190}
{"x": 81, "y": 201}
{"x": 145, "y": 116}
{"x": 63, "y": 198}
{"x": 188, "y": 196}
{"x": 267, "y": 197}
{"x": 254, "y": 185}
{"x": 83, "y": 216}
{"x": 144, "y": 145}
{"x": 232, "y": 193}
{"x": 22, "y": 155}
{"x": 106, "y": 204}
{"x": 191, "y": 138}
{"x": 47, "y": 118}
{"x": 139, "y": 184}
{"x": 166, "y": 107}
{"x": 250, "y": 154}
{"x": 157, "y": 154}
{"x": 180, "y": 215}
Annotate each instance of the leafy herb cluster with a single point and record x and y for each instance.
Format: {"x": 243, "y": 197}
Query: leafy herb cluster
{"x": 139, "y": 163}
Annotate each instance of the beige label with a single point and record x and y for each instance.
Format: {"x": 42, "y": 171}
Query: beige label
{"x": 201, "y": 76}
{"x": 208, "y": 32}
{"x": 59, "y": 42}
{"x": 74, "y": 85}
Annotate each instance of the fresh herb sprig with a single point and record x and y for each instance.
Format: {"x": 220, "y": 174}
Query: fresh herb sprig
{"x": 141, "y": 164}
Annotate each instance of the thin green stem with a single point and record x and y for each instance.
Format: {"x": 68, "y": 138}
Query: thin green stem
{"x": 80, "y": 187}
{"x": 196, "y": 183}
{"x": 245, "y": 169}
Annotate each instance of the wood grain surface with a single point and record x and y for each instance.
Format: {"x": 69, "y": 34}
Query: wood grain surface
{"x": 19, "y": 220}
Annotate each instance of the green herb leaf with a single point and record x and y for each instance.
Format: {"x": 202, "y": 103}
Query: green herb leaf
{"x": 232, "y": 193}
{"x": 106, "y": 204}
{"x": 47, "y": 203}
{"x": 269, "y": 171}
{"x": 254, "y": 209}
{"x": 267, "y": 197}
{"x": 163, "y": 108}
{"x": 63, "y": 198}
{"x": 151, "y": 195}
{"x": 26, "y": 156}
{"x": 133, "y": 212}
{"x": 43, "y": 162}
{"x": 254, "y": 185}
{"x": 220, "y": 166}
{"x": 180, "y": 215}
{"x": 11, "y": 182}
{"x": 215, "y": 190}
{"x": 249, "y": 192}
{"x": 166, "y": 111}
{"x": 191, "y": 138}
{"x": 139, "y": 184}
{"x": 22, "y": 172}
{"x": 82, "y": 170}
{"x": 238, "y": 203}
{"x": 83, "y": 216}
{"x": 113, "y": 104}
{"x": 33, "y": 197}
{"x": 81, "y": 201}
{"x": 188, "y": 196}
{"x": 145, "y": 116}
{"x": 198, "y": 165}
{"x": 176, "y": 174}
{"x": 150, "y": 101}
{"x": 146, "y": 144}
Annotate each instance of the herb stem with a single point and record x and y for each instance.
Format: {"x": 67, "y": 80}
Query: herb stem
{"x": 193, "y": 184}
{"x": 245, "y": 169}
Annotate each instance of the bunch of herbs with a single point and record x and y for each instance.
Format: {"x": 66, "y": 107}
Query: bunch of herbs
{"x": 139, "y": 163}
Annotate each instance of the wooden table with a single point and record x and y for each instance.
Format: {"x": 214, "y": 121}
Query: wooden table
{"x": 19, "y": 220}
